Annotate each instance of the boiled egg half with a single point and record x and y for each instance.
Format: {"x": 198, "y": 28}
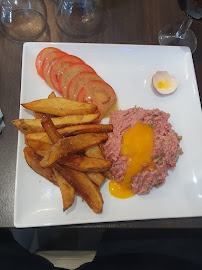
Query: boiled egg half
{"x": 164, "y": 83}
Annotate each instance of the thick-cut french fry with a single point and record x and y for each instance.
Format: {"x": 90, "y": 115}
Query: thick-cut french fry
{"x": 60, "y": 106}
{"x": 66, "y": 189}
{"x": 71, "y": 145}
{"x": 69, "y": 131}
{"x": 86, "y": 164}
{"x": 34, "y": 125}
{"x": 79, "y": 129}
{"x": 38, "y": 115}
{"x": 50, "y": 129}
{"x": 82, "y": 186}
{"x": 41, "y": 148}
{"x": 95, "y": 151}
{"x": 96, "y": 177}
{"x": 33, "y": 161}
{"x": 40, "y": 136}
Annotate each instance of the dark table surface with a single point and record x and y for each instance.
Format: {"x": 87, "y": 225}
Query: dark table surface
{"x": 129, "y": 22}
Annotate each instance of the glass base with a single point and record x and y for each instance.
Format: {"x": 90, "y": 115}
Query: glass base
{"x": 167, "y": 36}
{"x": 23, "y": 25}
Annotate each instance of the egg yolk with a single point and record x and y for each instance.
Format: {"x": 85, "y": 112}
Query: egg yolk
{"x": 166, "y": 84}
{"x": 137, "y": 147}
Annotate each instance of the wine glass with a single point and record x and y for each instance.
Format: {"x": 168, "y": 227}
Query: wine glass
{"x": 23, "y": 20}
{"x": 79, "y": 17}
{"x": 182, "y": 35}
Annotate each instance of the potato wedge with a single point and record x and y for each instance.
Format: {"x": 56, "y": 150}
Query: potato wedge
{"x": 79, "y": 129}
{"x": 82, "y": 186}
{"x": 41, "y": 148}
{"x": 67, "y": 191}
{"x": 34, "y": 125}
{"x": 60, "y": 106}
{"x": 85, "y": 164}
{"x": 38, "y": 115}
{"x": 69, "y": 131}
{"x": 96, "y": 177}
{"x": 71, "y": 145}
{"x": 50, "y": 129}
{"x": 96, "y": 152}
{"x": 33, "y": 161}
{"x": 40, "y": 136}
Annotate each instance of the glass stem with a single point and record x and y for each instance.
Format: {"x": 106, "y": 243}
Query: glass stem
{"x": 184, "y": 27}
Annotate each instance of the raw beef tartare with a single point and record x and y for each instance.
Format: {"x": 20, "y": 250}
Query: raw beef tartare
{"x": 163, "y": 144}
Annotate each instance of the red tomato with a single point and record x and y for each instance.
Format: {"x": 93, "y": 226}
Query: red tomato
{"x": 41, "y": 56}
{"x": 99, "y": 93}
{"x": 78, "y": 81}
{"x": 68, "y": 73}
{"x": 58, "y": 66}
{"x": 47, "y": 63}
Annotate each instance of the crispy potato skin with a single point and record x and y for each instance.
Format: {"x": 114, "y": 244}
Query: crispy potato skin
{"x": 96, "y": 151}
{"x": 70, "y": 131}
{"x": 34, "y": 125}
{"x": 60, "y": 106}
{"x": 71, "y": 145}
{"x": 83, "y": 186}
{"x": 86, "y": 164}
{"x": 33, "y": 161}
{"x": 67, "y": 191}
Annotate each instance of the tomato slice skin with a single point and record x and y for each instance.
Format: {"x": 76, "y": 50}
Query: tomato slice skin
{"x": 47, "y": 63}
{"x": 99, "y": 93}
{"x": 68, "y": 73}
{"x": 78, "y": 81}
{"x": 41, "y": 56}
{"x": 58, "y": 66}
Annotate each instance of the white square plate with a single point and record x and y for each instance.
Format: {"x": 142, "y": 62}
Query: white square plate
{"x": 128, "y": 69}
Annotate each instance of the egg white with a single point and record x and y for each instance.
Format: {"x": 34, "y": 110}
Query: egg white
{"x": 165, "y": 78}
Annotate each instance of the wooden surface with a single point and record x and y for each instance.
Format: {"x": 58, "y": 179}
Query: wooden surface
{"x": 128, "y": 21}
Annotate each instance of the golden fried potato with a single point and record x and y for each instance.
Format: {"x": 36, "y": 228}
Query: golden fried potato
{"x": 85, "y": 164}
{"x": 82, "y": 186}
{"x": 70, "y": 145}
{"x": 34, "y": 125}
{"x": 96, "y": 177}
{"x": 94, "y": 151}
{"x": 41, "y": 148}
{"x": 52, "y": 95}
{"x": 38, "y": 115}
{"x": 69, "y": 131}
{"x": 33, "y": 160}
{"x": 97, "y": 152}
{"x": 60, "y": 106}
{"x": 50, "y": 129}
{"x": 40, "y": 136}
{"x": 67, "y": 191}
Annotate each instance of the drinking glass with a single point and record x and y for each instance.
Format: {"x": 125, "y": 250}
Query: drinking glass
{"x": 23, "y": 20}
{"x": 182, "y": 35}
{"x": 79, "y": 17}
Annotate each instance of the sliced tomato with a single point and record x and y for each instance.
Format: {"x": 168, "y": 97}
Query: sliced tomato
{"x": 78, "y": 81}
{"x": 54, "y": 77}
{"x": 59, "y": 65}
{"x": 47, "y": 63}
{"x": 99, "y": 93}
{"x": 41, "y": 56}
{"x": 68, "y": 73}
